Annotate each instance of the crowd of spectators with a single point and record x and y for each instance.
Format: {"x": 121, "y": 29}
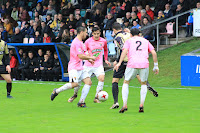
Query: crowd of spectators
{"x": 45, "y": 21}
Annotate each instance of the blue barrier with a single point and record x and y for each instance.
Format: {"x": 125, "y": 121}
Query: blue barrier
{"x": 63, "y": 60}
{"x": 190, "y": 69}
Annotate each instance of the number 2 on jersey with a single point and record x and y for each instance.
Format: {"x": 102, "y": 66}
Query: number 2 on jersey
{"x": 140, "y": 43}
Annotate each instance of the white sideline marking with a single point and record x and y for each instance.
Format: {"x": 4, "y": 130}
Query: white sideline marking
{"x": 43, "y": 83}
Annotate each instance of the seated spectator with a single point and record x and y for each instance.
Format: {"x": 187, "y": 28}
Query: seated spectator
{"x": 37, "y": 38}
{"x": 126, "y": 24}
{"x": 46, "y": 38}
{"x": 160, "y": 6}
{"x": 71, "y": 35}
{"x": 25, "y": 29}
{"x": 97, "y": 18}
{"x": 45, "y": 69}
{"x": 168, "y": 12}
{"x": 147, "y": 33}
{"x": 14, "y": 14}
{"x": 24, "y": 16}
{"x": 161, "y": 16}
{"x": 79, "y": 20}
{"x": 38, "y": 9}
{"x": 30, "y": 31}
{"x": 8, "y": 27}
{"x": 51, "y": 11}
{"x": 134, "y": 9}
{"x": 18, "y": 36}
{"x": 8, "y": 8}
{"x": 48, "y": 20}
{"x": 102, "y": 6}
{"x": 84, "y": 4}
{"x": 139, "y": 8}
{"x": 55, "y": 25}
{"x": 20, "y": 72}
{"x": 46, "y": 29}
{"x": 56, "y": 69}
{"x": 128, "y": 17}
{"x": 63, "y": 26}
{"x": 65, "y": 37}
{"x": 149, "y": 12}
{"x": 21, "y": 53}
{"x": 110, "y": 20}
{"x": 128, "y": 7}
{"x": 189, "y": 24}
{"x": 174, "y": 5}
{"x": 134, "y": 17}
{"x": 71, "y": 22}
{"x": 185, "y": 5}
{"x": 67, "y": 10}
{"x": 3, "y": 10}
{"x": 145, "y": 15}
{"x": 44, "y": 10}
{"x": 136, "y": 25}
{"x": 143, "y": 3}
{"x": 40, "y": 60}
{"x": 48, "y": 52}
{"x": 29, "y": 73}
{"x": 4, "y": 34}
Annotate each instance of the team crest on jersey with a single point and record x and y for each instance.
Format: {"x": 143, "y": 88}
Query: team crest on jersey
{"x": 100, "y": 44}
{"x": 79, "y": 50}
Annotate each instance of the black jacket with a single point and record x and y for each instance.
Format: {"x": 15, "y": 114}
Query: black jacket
{"x": 24, "y": 63}
{"x": 17, "y": 38}
{"x": 32, "y": 63}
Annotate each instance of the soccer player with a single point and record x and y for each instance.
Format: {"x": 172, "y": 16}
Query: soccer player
{"x": 75, "y": 68}
{"x": 95, "y": 46}
{"x": 5, "y": 66}
{"x": 137, "y": 49}
{"x": 120, "y": 38}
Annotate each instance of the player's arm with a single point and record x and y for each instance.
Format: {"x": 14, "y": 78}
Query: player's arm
{"x": 155, "y": 60}
{"x": 7, "y": 59}
{"x": 122, "y": 57}
{"x": 106, "y": 54}
{"x": 86, "y": 57}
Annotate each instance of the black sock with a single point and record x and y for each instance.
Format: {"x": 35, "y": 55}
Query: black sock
{"x": 9, "y": 88}
{"x": 148, "y": 84}
{"x": 115, "y": 91}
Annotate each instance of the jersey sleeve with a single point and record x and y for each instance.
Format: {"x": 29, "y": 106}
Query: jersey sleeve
{"x": 6, "y": 48}
{"x": 105, "y": 50}
{"x": 150, "y": 47}
{"x": 79, "y": 49}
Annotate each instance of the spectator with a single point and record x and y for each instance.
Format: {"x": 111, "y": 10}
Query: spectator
{"x": 143, "y": 3}
{"x": 79, "y": 20}
{"x": 145, "y": 15}
{"x": 134, "y": 17}
{"x": 181, "y": 19}
{"x": 174, "y": 5}
{"x": 161, "y": 17}
{"x": 8, "y": 26}
{"x": 48, "y": 52}
{"x": 46, "y": 38}
{"x": 147, "y": 33}
{"x": 51, "y": 11}
{"x": 32, "y": 64}
{"x": 46, "y": 29}
{"x": 71, "y": 22}
{"x": 139, "y": 8}
{"x": 67, "y": 10}
{"x": 18, "y": 36}
{"x": 84, "y": 3}
{"x": 39, "y": 62}
{"x": 189, "y": 24}
{"x": 14, "y": 14}
{"x": 21, "y": 53}
{"x": 55, "y": 25}
{"x": 22, "y": 68}
{"x": 160, "y": 6}
{"x": 56, "y": 70}
{"x": 109, "y": 22}
{"x": 128, "y": 7}
{"x": 126, "y": 24}
{"x": 38, "y": 9}
{"x": 37, "y": 38}
{"x": 184, "y": 4}
{"x": 71, "y": 35}
{"x": 4, "y": 34}
{"x": 24, "y": 31}
{"x": 45, "y": 69}
{"x": 102, "y": 7}
{"x": 149, "y": 12}
{"x": 24, "y": 15}
{"x": 97, "y": 18}
{"x": 136, "y": 25}
{"x": 134, "y": 9}
{"x": 30, "y": 31}
{"x": 3, "y": 10}
{"x": 65, "y": 37}
{"x": 49, "y": 20}
{"x": 44, "y": 10}
{"x": 75, "y": 4}
{"x": 168, "y": 12}
{"x": 8, "y": 8}
{"x": 63, "y": 26}
{"x": 128, "y": 17}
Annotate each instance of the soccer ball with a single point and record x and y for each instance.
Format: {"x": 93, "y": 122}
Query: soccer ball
{"x": 102, "y": 96}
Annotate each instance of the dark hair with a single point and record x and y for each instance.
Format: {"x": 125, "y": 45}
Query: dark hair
{"x": 135, "y": 31}
{"x": 55, "y": 53}
{"x": 30, "y": 52}
{"x": 79, "y": 29}
{"x": 116, "y": 26}
{"x": 146, "y": 18}
{"x": 95, "y": 29}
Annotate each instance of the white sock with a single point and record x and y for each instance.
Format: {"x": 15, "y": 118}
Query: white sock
{"x": 125, "y": 91}
{"x": 85, "y": 91}
{"x": 76, "y": 89}
{"x": 99, "y": 87}
{"x": 143, "y": 93}
{"x": 64, "y": 87}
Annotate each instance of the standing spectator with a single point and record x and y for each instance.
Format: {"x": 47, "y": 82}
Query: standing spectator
{"x": 189, "y": 24}
{"x": 30, "y": 31}
{"x": 4, "y": 34}
{"x": 14, "y": 14}
{"x": 8, "y": 27}
{"x": 181, "y": 19}
{"x": 184, "y": 4}
{"x": 149, "y": 12}
{"x": 168, "y": 12}
{"x": 174, "y": 5}
{"x": 71, "y": 22}
{"x": 25, "y": 29}
{"x": 147, "y": 33}
{"x": 37, "y": 38}
{"x": 55, "y": 25}
{"x": 18, "y": 36}
{"x": 29, "y": 73}
{"x": 46, "y": 68}
{"x": 46, "y": 38}
{"x": 51, "y": 11}
{"x": 40, "y": 60}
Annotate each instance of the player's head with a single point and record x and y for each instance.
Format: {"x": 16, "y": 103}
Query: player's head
{"x": 116, "y": 27}
{"x": 96, "y": 33}
{"x": 135, "y": 32}
{"x": 82, "y": 32}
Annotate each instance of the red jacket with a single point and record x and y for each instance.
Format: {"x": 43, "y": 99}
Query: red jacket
{"x": 47, "y": 40}
{"x": 139, "y": 15}
{"x": 13, "y": 62}
{"x": 151, "y": 14}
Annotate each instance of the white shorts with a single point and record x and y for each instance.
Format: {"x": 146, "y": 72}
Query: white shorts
{"x": 77, "y": 75}
{"x": 131, "y": 73}
{"x": 96, "y": 70}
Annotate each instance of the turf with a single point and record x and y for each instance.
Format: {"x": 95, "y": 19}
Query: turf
{"x": 177, "y": 108}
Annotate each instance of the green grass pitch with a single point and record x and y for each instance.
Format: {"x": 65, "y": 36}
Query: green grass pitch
{"x": 176, "y": 110}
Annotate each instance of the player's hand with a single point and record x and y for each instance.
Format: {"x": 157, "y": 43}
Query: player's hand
{"x": 116, "y": 67}
{"x": 91, "y": 61}
{"x": 114, "y": 63}
{"x": 108, "y": 63}
{"x": 8, "y": 69}
{"x": 156, "y": 70}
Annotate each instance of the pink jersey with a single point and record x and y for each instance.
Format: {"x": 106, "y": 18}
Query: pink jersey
{"x": 75, "y": 49}
{"x": 95, "y": 48}
{"x": 138, "y": 52}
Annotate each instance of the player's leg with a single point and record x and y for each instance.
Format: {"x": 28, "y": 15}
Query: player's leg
{"x": 74, "y": 76}
{"x": 9, "y": 84}
{"x": 144, "y": 73}
{"x": 151, "y": 89}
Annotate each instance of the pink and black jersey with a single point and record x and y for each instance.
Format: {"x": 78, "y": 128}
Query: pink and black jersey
{"x": 95, "y": 48}
{"x": 76, "y": 48}
{"x": 138, "y": 52}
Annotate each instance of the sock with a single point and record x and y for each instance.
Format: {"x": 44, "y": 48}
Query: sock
{"x": 76, "y": 89}
{"x": 99, "y": 87}
{"x": 9, "y": 88}
{"x": 85, "y": 91}
{"x": 64, "y": 87}
{"x": 148, "y": 84}
{"x": 115, "y": 91}
{"x": 143, "y": 93}
{"x": 125, "y": 92}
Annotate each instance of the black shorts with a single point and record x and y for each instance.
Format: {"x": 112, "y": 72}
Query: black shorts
{"x": 121, "y": 71}
{"x": 3, "y": 69}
